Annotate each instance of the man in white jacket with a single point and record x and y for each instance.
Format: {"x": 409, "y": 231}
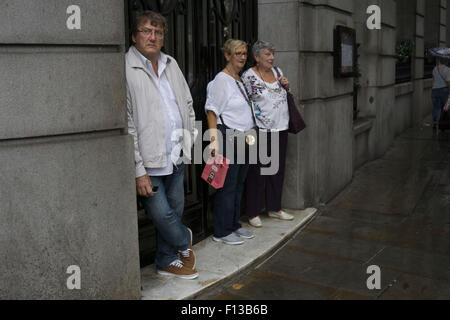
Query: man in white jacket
{"x": 161, "y": 120}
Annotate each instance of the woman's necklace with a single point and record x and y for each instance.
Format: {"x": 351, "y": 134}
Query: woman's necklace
{"x": 260, "y": 74}
{"x": 233, "y": 75}
{"x": 264, "y": 82}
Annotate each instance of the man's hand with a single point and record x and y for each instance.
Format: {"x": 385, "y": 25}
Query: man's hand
{"x": 144, "y": 186}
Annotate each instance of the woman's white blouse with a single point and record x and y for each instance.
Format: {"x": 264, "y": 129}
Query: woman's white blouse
{"x": 224, "y": 98}
{"x": 269, "y": 101}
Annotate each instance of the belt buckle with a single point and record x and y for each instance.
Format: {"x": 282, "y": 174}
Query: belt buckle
{"x": 250, "y": 140}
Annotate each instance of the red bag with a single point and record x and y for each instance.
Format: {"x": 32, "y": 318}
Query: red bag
{"x": 444, "y": 119}
{"x": 215, "y": 171}
{"x": 447, "y": 105}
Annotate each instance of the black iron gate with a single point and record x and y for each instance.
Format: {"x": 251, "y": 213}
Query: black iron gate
{"x": 197, "y": 31}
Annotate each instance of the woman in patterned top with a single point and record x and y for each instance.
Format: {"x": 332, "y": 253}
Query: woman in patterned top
{"x": 272, "y": 118}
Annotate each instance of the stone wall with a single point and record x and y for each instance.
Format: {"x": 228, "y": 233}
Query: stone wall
{"x": 67, "y": 191}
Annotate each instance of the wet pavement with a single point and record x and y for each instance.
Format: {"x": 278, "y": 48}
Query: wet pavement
{"x": 395, "y": 214}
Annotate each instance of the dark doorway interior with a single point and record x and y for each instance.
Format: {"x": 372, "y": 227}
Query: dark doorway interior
{"x": 197, "y": 30}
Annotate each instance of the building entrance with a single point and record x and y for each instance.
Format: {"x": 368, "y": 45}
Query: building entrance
{"x": 197, "y": 30}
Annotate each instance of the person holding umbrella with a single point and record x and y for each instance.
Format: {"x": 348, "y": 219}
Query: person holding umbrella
{"x": 441, "y": 82}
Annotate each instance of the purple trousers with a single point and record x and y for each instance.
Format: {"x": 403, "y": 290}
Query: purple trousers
{"x": 270, "y": 187}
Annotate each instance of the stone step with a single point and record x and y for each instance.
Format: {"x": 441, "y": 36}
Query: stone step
{"x": 217, "y": 262}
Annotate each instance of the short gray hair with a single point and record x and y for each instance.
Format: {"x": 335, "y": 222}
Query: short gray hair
{"x": 260, "y": 45}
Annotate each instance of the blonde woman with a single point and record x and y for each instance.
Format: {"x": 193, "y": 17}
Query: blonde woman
{"x": 229, "y": 112}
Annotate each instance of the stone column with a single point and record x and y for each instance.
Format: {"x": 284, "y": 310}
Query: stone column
{"x": 418, "y": 95}
{"x": 433, "y": 17}
{"x": 443, "y": 24}
{"x": 447, "y": 33}
{"x": 377, "y": 60}
{"x": 67, "y": 190}
{"x": 434, "y": 33}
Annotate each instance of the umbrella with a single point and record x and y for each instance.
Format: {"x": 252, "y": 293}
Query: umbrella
{"x": 442, "y": 52}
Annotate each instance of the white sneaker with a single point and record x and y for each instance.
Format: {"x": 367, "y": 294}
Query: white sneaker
{"x": 281, "y": 215}
{"x": 256, "y": 222}
{"x": 244, "y": 233}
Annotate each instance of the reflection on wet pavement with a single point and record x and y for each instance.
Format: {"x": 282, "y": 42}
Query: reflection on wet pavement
{"x": 395, "y": 214}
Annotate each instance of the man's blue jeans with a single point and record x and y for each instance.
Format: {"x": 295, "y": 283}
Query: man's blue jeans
{"x": 165, "y": 209}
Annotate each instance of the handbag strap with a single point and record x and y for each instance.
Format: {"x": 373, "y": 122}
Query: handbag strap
{"x": 223, "y": 122}
{"x": 439, "y": 72}
{"x": 278, "y": 76}
{"x": 247, "y": 97}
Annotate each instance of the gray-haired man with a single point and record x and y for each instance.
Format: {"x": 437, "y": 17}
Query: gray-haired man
{"x": 159, "y": 104}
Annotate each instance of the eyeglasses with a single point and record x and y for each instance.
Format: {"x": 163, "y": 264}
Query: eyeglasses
{"x": 240, "y": 54}
{"x": 147, "y": 32}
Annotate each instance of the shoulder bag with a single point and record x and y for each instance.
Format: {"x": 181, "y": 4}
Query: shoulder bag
{"x": 296, "y": 123}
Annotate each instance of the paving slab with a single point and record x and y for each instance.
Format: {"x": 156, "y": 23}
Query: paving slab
{"x": 361, "y": 215}
{"x": 262, "y": 285}
{"x": 353, "y": 229}
{"x": 385, "y": 187}
{"x": 355, "y": 250}
{"x": 409, "y": 287}
{"x": 415, "y": 262}
{"x": 347, "y": 275}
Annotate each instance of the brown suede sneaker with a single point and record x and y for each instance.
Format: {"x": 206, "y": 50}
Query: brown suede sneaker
{"x": 177, "y": 269}
{"x": 188, "y": 260}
